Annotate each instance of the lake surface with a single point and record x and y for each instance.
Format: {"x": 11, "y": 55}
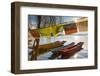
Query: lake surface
{"x": 78, "y": 37}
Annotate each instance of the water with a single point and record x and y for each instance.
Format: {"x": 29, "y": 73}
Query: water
{"x": 79, "y": 37}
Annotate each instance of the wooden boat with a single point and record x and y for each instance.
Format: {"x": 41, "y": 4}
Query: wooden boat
{"x": 45, "y": 48}
{"x": 56, "y": 52}
{"x": 69, "y": 51}
{"x": 58, "y": 48}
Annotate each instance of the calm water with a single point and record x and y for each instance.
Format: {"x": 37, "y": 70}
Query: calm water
{"x": 80, "y": 37}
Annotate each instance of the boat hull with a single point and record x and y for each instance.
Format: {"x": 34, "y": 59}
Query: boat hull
{"x": 56, "y": 52}
{"x": 70, "y": 51}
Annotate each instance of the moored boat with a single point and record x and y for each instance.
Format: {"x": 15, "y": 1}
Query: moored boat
{"x": 70, "y": 51}
{"x": 46, "y": 48}
{"x": 56, "y": 52}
